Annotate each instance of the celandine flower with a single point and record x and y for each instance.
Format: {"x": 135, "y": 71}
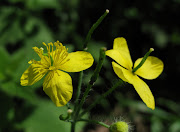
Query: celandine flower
{"x": 55, "y": 63}
{"x": 151, "y": 69}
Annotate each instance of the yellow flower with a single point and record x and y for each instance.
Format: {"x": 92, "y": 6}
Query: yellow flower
{"x": 56, "y": 63}
{"x": 151, "y": 69}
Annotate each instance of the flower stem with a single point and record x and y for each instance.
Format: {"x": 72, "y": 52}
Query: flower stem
{"x": 143, "y": 60}
{"x": 77, "y": 106}
{"x": 95, "y": 122}
{"x": 73, "y": 126}
{"x": 120, "y": 82}
{"x": 78, "y": 90}
{"x": 99, "y": 66}
{"x": 92, "y": 80}
{"x": 94, "y": 26}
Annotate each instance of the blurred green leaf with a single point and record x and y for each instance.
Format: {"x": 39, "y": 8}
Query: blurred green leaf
{"x": 4, "y": 60}
{"x": 41, "y": 4}
{"x": 160, "y": 36}
{"x": 43, "y": 34}
{"x": 157, "y": 125}
{"x": 175, "y": 127}
{"x": 45, "y": 118}
{"x": 5, "y": 13}
{"x": 13, "y": 33}
{"x": 11, "y": 89}
{"x": 140, "y": 106}
{"x": 15, "y": 1}
{"x": 175, "y": 38}
{"x": 94, "y": 48}
{"x": 132, "y": 13}
{"x": 7, "y": 104}
{"x": 171, "y": 105}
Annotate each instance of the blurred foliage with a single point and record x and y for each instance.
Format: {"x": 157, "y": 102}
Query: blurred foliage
{"x": 145, "y": 24}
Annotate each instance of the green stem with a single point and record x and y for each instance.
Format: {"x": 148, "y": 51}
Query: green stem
{"x": 143, "y": 60}
{"x": 99, "y": 66}
{"x": 73, "y": 124}
{"x": 120, "y": 82}
{"x": 78, "y": 90}
{"x": 68, "y": 105}
{"x": 92, "y": 80}
{"x": 78, "y": 107}
{"x": 95, "y": 25}
{"x": 95, "y": 122}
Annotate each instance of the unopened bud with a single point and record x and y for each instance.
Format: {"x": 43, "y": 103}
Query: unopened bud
{"x": 151, "y": 49}
{"x": 107, "y": 11}
{"x": 69, "y": 111}
{"x": 119, "y": 127}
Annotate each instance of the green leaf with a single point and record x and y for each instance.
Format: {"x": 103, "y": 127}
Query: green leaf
{"x": 15, "y": 1}
{"x": 45, "y": 118}
{"x": 11, "y": 89}
{"x": 40, "y": 4}
{"x": 94, "y": 47}
{"x": 175, "y": 127}
{"x": 4, "y": 57}
{"x": 43, "y": 34}
{"x": 13, "y": 33}
{"x": 157, "y": 124}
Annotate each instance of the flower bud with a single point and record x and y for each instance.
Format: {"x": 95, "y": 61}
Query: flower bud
{"x": 119, "y": 127}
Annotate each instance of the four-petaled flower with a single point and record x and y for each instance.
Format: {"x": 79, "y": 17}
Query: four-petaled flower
{"x": 55, "y": 63}
{"x": 151, "y": 69}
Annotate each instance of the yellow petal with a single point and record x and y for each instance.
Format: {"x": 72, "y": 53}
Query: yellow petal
{"x": 121, "y": 45}
{"x": 119, "y": 71}
{"x": 141, "y": 87}
{"x": 120, "y": 58}
{"x": 120, "y": 53}
{"x": 144, "y": 92}
{"x": 33, "y": 74}
{"x": 58, "y": 86}
{"x": 77, "y": 61}
{"x": 151, "y": 69}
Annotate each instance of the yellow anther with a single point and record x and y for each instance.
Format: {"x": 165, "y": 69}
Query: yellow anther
{"x": 42, "y": 48}
{"x": 44, "y": 44}
{"x": 52, "y": 68}
{"x": 30, "y": 62}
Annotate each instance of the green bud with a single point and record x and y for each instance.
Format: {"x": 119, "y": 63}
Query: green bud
{"x": 119, "y": 127}
{"x": 67, "y": 116}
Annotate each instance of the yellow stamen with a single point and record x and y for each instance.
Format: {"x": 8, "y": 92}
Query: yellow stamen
{"x": 30, "y": 62}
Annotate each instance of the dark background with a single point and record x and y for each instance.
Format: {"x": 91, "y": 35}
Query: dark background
{"x": 144, "y": 24}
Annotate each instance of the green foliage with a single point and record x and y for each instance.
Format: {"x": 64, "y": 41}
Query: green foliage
{"x": 27, "y": 23}
{"x": 45, "y": 118}
{"x": 24, "y": 25}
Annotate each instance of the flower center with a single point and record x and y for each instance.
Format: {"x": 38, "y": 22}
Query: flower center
{"x": 51, "y": 68}
{"x": 57, "y": 56}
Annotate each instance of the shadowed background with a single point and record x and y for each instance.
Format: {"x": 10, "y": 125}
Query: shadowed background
{"x": 144, "y": 24}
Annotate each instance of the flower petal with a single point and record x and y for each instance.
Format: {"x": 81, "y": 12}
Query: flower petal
{"x": 151, "y": 69}
{"x": 120, "y": 53}
{"x": 33, "y": 74}
{"x": 58, "y": 86}
{"x": 141, "y": 87}
{"x": 119, "y": 71}
{"x": 120, "y": 58}
{"x": 77, "y": 61}
{"x": 144, "y": 92}
{"x": 121, "y": 45}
